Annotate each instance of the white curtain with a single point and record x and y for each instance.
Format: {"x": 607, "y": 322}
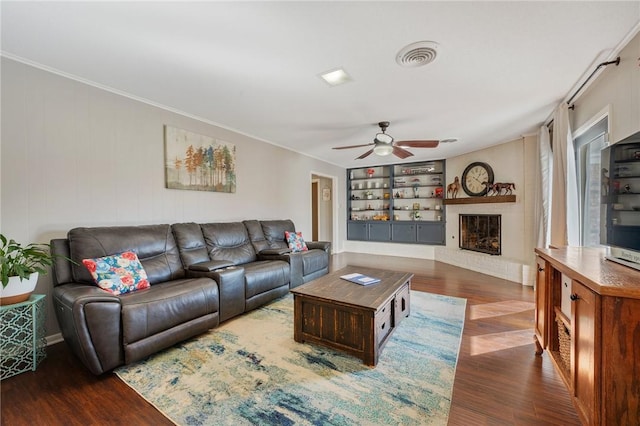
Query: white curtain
{"x": 565, "y": 213}
{"x": 544, "y": 173}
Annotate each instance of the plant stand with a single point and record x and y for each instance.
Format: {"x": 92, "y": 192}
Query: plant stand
{"x": 22, "y": 336}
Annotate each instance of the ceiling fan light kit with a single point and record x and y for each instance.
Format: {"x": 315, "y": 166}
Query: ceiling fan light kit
{"x": 384, "y": 144}
{"x": 382, "y": 149}
{"x": 383, "y": 138}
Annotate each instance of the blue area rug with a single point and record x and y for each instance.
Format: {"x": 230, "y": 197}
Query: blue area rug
{"x": 250, "y": 371}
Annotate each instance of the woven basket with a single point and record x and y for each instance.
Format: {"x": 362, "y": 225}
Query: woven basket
{"x": 564, "y": 344}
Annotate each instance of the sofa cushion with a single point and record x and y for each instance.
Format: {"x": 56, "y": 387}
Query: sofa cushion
{"x": 274, "y": 232}
{"x": 166, "y": 305}
{"x": 154, "y": 244}
{"x": 190, "y": 243}
{"x": 265, "y": 275}
{"x": 118, "y": 274}
{"x": 254, "y": 229}
{"x": 295, "y": 241}
{"x": 228, "y": 241}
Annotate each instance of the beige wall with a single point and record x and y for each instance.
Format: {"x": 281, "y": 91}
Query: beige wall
{"x": 617, "y": 87}
{"x": 509, "y": 164}
{"x": 75, "y": 155}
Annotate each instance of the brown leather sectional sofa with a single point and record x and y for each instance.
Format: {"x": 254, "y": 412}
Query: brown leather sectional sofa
{"x": 200, "y": 275}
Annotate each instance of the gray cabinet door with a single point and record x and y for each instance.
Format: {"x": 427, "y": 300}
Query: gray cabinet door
{"x": 357, "y": 231}
{"x": 380, "y": 231}
{"x": 403, "y": 232}
{"x": 431, "y": 233}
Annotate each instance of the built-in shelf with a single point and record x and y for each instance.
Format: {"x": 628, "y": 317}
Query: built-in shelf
{"x": 481, "y": 200}
{"x": 400, "y": 203}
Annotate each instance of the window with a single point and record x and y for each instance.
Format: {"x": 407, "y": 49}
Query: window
{"x": 589, "y": 169}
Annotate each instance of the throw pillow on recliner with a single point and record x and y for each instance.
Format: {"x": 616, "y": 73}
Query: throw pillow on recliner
{"x": 295, "y": 241}
{"x": 118, "y": 274}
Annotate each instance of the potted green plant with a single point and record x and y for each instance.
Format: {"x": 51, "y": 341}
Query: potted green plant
{"x": 20, "y": 267}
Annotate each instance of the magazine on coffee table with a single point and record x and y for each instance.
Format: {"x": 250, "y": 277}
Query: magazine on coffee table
{"x": 360, "y": 279}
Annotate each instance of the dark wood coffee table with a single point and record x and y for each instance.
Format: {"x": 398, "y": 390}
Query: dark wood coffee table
{"x": 350, "y": 317}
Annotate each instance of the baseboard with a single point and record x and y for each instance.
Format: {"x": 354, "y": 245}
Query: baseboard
{"x": 54, "y": 338}
{"x": 496, "y": 266}
{"x": 414, "y": 251}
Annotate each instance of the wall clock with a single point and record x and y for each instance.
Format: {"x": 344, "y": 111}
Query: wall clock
{"x": 473, "y": 177}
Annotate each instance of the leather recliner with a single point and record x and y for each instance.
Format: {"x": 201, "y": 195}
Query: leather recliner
{"x": 268, "y": 238}
{"x": 105, "y": 330}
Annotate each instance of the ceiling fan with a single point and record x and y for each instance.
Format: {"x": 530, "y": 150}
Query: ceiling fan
{"x": 383, "y": 144}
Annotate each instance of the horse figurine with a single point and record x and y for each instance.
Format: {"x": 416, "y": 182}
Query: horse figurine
{"x": 453, "y": 188}
{"x": 489, "y": 187}
{"x": 496, "y": 188}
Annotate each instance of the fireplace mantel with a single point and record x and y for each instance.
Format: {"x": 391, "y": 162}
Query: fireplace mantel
{"x": 481, "y": 200}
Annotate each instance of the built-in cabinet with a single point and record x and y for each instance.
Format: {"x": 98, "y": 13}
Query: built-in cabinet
{"x": 398, "y": 203}
{"x": 595, "y": 342}
{"x": 621, "y": 197}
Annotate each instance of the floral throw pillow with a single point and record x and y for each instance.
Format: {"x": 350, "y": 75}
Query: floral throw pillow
{"x": 295, "y": 241}
{"x": 118, "y": 274}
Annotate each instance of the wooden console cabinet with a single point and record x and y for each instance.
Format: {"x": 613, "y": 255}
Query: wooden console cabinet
{"x": 595, "y": 345}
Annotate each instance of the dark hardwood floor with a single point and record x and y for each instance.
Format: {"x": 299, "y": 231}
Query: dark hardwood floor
{"x": 499, "y": 380}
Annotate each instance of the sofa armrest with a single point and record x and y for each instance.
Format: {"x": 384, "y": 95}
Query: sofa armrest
{"x": 322, "y": 245}
{"x": 210, "y": 265}
{"x": 90, "y": 321}
{"x": 230, "y": 288}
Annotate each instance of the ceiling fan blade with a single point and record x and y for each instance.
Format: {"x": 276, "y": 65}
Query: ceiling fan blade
{"x": 366, "y": 154}
{"x": 418, "y": 144}
{"x": 352, "y": 146}
{"x": 401, "y": 153}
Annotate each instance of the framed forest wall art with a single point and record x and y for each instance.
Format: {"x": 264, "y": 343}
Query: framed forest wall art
{"x": 198, "y": 162}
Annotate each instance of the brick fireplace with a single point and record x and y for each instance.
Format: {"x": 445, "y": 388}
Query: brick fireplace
{"x": 481, "y": 233}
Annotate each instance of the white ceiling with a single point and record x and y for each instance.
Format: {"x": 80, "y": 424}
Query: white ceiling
{"x": 253, "y": 67}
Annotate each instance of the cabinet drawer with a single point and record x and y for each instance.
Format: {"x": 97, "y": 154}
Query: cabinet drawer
{"x": 384, "y": 321}
{"x": 402, "y": 304}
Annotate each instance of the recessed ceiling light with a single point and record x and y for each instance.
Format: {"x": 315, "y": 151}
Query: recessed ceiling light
{"x": 336, "y": 77}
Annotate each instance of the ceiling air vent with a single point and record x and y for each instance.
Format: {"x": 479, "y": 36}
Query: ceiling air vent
{"x": 417, "y": 54}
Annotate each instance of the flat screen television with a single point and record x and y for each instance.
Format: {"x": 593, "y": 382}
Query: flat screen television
{"x": 620, "y": 205}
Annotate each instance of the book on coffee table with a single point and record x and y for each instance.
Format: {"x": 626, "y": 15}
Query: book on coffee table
{"x": 360, "y": 279}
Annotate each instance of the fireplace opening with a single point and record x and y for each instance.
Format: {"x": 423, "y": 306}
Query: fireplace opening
{"x": 480, "y": 232}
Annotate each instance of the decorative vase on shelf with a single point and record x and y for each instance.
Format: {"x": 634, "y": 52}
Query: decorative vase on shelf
{"x": 18, "y": 290}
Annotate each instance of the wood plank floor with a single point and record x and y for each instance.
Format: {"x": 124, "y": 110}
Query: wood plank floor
{"x": 499, "y": 380}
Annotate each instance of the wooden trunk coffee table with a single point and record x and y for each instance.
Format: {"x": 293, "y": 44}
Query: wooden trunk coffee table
{"x": 350, "y": 317}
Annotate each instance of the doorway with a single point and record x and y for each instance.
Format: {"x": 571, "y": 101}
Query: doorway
{"x": 314, "y": 210}
{"x": 322, "y": 207}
